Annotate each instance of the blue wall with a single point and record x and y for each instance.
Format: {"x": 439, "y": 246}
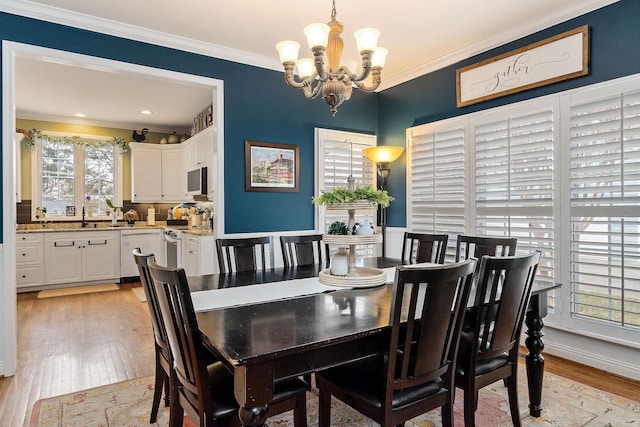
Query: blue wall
{"x": 259, "y": 106}
{"x": 614, "y": 52}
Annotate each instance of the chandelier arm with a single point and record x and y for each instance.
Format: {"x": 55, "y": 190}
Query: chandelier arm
{"x": 311, "y": 92}
{"x": 366, "y": 68}
{"x": 375, "y": 81}
{"x": 318, "y": 59}
{"x": 290, "y": 77}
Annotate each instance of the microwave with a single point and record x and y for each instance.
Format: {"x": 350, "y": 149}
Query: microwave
{"x": 197, "y": 182}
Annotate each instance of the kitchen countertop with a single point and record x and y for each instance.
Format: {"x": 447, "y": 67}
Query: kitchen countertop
{"x": 103, "y": 226}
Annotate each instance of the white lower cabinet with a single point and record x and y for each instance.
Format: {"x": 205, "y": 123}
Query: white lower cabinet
{"x": 72, "y": 257}
{"x": 29, "y": 257}
{"x": 199, "y": 257}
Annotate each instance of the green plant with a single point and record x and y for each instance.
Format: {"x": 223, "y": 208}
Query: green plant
{"x": 338, "y": 227}
{"x": 112, "y": 206}
{"x": 41, "y": 212}
{"x": 344, "y": 195}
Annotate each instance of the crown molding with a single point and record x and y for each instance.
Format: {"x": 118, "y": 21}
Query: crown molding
{"x": 132, "y": 32}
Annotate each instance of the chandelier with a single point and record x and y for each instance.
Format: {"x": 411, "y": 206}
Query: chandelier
{"x": 334, "y": 80}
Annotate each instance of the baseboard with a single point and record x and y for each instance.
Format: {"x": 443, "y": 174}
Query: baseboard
{"x": 595, "y": 360}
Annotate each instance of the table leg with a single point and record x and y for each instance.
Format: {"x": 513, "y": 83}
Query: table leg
{"x": 253, "y": 393}
{"x": 534, "y": 360}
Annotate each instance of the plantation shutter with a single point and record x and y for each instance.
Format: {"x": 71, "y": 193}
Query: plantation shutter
{"x": 436, "y": 174}
{"x": 605, "y": 212}
{"x": 514, "y": 179}
{"x": 340, "y": 154}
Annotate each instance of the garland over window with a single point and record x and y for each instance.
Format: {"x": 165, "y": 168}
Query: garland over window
{"x": 31, "y": 136}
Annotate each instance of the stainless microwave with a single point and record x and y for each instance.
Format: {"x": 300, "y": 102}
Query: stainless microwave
{"x": 197, "y": 182}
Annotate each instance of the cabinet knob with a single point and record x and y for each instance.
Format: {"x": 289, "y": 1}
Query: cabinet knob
{"x": 24, "y": 254}
{"x": 24, "y": 276}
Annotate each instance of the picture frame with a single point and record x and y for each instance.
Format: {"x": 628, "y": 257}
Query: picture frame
{"x": 271, "y": 166}
{"x": 70, "y": 210}
{"x": 561, "y": 57}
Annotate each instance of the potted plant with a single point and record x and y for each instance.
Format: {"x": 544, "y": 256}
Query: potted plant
{"x": 341, "y": 195}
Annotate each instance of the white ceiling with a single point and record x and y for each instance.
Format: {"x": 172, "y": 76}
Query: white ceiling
{"x": 421, "y": 36}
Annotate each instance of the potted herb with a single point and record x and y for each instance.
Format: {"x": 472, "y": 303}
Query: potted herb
{"x": 338, "y": 227}
{"x": 343, "y": 195}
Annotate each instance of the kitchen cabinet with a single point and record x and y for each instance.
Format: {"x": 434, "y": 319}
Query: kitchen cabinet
{"x": 72, "y": 257}
{"x": 199, "y": 257}
{"x": 149, "y": 240}
{"x": 29, "y": 257}
{"x": 158, "y": 173}
{"x": 200, "y": 151}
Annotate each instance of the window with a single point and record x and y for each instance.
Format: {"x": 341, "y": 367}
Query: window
{"x": 72, "y": 173}
{"x": 338, "y": 155}
{"x": 605, "y": 220}
{"x": 562, "y": 174}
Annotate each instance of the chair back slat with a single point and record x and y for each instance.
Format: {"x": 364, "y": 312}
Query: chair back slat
{"x": 159, "y": 332}
{"x": 501, "y": 300}
{"x": 182, "y": 329}
{"x": 245, "y": 254}
{"x": 304, "y": 250}
{"x": 477, "y": 247}
{"x": 426, "y": 317}
{"x": 422, "y": 247}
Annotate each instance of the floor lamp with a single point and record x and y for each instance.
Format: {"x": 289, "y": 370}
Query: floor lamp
{"x": 382, "y": 155}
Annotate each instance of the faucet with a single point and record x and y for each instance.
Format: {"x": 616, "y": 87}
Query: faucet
{"x": 84, "y": 223}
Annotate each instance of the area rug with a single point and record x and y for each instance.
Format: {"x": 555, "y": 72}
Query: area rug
{"x": 566, "y": 403}
{"x": 139, "y": 292}
{"x": 76, "y": 290}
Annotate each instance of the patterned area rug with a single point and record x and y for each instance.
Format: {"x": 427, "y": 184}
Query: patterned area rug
{"x": 566, "y": 403}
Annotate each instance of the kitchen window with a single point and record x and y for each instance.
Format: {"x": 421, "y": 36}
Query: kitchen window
{"x": 71, "y": 173}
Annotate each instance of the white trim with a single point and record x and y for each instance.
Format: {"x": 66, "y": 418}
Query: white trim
{"x": 8, "y": 302}
{"x": 11, "y": 50}
{"x": 132, "y": 32}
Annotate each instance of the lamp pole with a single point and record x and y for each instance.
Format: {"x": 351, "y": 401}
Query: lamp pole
{"x": 383, "y": 175}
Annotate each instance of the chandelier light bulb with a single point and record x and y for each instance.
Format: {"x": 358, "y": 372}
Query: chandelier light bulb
{"x": 288, "y": 51}
{"x": 306, "y": 67}
{"x": 379, "y": 57}
{"x": 317, "y": 35}
{"x": 367, "y": 39}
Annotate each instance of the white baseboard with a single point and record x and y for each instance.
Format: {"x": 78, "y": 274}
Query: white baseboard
{"x": 595, "y": 360}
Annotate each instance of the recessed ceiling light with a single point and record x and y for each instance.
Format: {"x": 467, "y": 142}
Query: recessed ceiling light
{"x": 79, "y": 115}
{"x": 146, "y": 112}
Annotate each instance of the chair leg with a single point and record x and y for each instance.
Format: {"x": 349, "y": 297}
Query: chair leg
{"x": 324, "y": 408}
{"x": 447, "y": 413}
{"x": 512, "y": 389}
{"x": 470, "y": 406}
{"x": 167, "y": 390}
{"x": 157, "y": 390}
{"x": 300, "y": 411}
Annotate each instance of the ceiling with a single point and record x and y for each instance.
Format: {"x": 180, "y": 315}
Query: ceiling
{"x": 421, "y": 36}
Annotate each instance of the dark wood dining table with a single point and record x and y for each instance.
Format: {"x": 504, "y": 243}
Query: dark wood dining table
{"x": 266, "y": 342}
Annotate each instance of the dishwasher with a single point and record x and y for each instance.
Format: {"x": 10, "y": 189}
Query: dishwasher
{"x": 149, "y": 240}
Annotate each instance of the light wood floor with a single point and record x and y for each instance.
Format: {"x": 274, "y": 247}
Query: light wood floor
{"x": 67, "y": 344}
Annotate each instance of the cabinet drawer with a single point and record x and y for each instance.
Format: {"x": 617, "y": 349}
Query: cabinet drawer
{"x": 28, "y": 238}
{"x": 192, "y": 240}
{"x": 27, "y": 254}
{"x": 28, "y": 276}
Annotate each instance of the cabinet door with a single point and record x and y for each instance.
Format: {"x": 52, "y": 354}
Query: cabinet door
{"x": 174, "y": 176}
{"x": 191, "y": 260}
{"x": 99, "y": 259}
{"x": 63, "y": 261}
{"x": 146, "y": 173}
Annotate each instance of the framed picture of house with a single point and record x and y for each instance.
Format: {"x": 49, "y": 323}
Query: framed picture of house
{"x": 271, "y": 167}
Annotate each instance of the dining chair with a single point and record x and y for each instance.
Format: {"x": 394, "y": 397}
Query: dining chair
{"x": 415, "y": 373}
{"x": 206, "y": 392}
{"x": 245, "y": 254}
{"x": 304, "y": 250}
{"x": 424, "y": 247}
{"x": 162, "y": 351}
{"x": 477, "y": 247}
{"x": 488, "y": 350}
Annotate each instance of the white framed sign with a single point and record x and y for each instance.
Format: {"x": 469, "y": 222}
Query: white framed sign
{"x": 557, "y": 58}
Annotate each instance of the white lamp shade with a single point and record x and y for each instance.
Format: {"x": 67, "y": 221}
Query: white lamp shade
{"x": 306, "y": 67}
{"x": 288, "y": 51}
{"x": 379, "y": 57}
{"x": 383, "y": 153}
{"x": 317, "y": 35}
{"x": 367, "y": 39}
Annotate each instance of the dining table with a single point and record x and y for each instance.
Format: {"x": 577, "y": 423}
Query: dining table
{"x": 264, "y": 335}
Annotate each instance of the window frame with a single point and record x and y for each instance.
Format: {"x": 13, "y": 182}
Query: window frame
{"x": 79, "y": 162}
